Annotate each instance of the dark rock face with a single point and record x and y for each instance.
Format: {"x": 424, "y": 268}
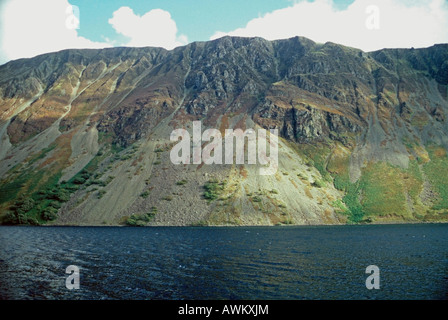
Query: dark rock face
{"x": 238, "y": 75}
{"x": 307, "y": 124}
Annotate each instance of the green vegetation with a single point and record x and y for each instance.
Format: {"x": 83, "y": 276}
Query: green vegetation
{"x": 414, "y": 180}
{"x": 23, "y": 178}
{"x": 126, "y": 156}
{"x": 120, "y": 153}
{"x": 437, "y": 172}
{"x": 19, "y": 213}
{"x": 144, "y": 194}
{"x": 38, "y": 207}
{"x": 45, "y": 192}
{"x": 116, "y": 148}
{"x": 213, "y": 188}
{"x": 200, "y": 223}
{"x": 318, "y": 183}
{"x": 101, "y": 193}
{"x": 79, "y": 180}
{"x": 383, "y": 190}
{"x": 10, "y": 189}
{"x": 181, "y": 182}
{"x": 42, "y": 154}
{"x": 351, "y": 200}
{"x": 140, "y": 220}
{"x": 350, "y": 204}
{"x": 316, "y": 155}
{"x": 338, "y": 204}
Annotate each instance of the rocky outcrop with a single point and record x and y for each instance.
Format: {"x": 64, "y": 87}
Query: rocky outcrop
{"x": 306, "y": 124}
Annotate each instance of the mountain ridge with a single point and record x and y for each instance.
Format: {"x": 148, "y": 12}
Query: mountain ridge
{"x": 84, "y": 134}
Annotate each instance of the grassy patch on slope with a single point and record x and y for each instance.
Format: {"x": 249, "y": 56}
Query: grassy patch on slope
{"x": 437, "y": 172}
{"x": 35, "y": 196}
{"x": 384, "y": 193}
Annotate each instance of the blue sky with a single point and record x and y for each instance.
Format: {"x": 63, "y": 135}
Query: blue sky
{"x": 30, "y": 27}
{"x": 198, "y": 20}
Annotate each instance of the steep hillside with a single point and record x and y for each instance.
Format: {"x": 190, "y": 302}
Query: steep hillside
{"x": 85, "y": 134}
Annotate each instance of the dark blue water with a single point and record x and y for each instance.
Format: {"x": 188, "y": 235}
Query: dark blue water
{"x": 225, "y": 263}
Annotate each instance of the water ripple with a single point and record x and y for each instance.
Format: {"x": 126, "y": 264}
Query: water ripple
{"x": 224, "y": 263}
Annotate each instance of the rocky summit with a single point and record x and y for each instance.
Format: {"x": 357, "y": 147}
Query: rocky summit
{"x": 363, "y": 136}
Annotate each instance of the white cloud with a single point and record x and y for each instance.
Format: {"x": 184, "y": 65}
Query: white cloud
{"x": 155, "y": 28}
{"x": 32, "y": 27}
{"x": 417, "y": 23}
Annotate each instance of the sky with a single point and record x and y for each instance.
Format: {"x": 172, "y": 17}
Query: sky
{"x": 32, "y": 27}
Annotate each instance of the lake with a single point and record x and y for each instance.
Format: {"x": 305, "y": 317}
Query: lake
{"x": 196, "y": 263}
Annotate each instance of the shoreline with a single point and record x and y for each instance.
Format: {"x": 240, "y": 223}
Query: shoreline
{"x": 381, "y": 223}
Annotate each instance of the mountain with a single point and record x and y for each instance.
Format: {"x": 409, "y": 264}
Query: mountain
{"x": 363, "y": 136}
